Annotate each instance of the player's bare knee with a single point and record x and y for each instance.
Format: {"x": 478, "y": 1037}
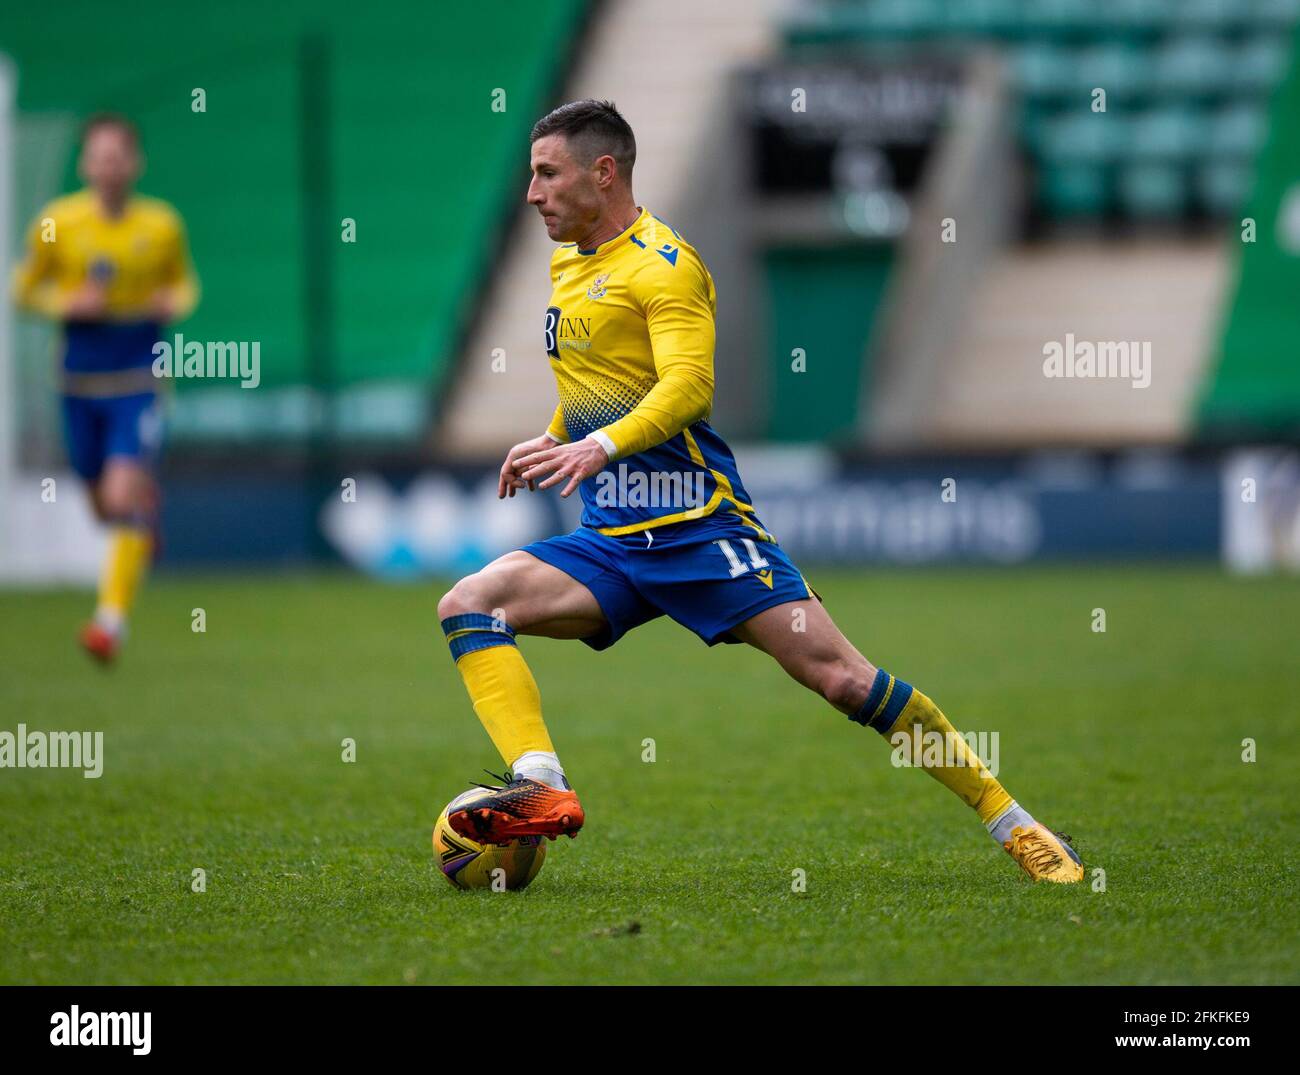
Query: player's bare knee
{"x": 115, "y": 502}
{"x": 479, "y": 592}
{"x": 458, "y": 600}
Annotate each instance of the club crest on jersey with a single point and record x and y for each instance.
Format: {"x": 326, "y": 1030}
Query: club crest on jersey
{"x": 598, "y": 288}
{"x": 102, "y": 270}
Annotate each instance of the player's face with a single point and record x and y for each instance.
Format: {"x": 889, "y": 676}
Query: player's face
{"x": 564, "y": 192}
{"x": 109, "y": 160}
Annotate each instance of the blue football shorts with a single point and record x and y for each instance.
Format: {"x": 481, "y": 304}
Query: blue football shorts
{"x": 96, "y": 430}
{"x": 708, "y": 574}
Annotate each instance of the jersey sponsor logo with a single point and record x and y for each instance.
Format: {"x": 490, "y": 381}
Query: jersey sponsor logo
{"x": 566, "y": 333}
{"x": 552, "y": 331}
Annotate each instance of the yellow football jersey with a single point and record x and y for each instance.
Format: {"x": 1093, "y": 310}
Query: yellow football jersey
{"x": 133, "y": 256}
{"x": 630, "y": 335}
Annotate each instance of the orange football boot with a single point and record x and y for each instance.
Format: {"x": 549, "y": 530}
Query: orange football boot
{"x": 523, "y": 807}
{"x": 98, "y": 642}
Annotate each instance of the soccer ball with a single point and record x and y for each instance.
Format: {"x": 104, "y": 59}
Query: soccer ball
{"x": 467, "y": 864}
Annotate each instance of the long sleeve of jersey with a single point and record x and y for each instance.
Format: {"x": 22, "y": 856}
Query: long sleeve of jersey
{"x": 679, "y": 316}
{"x": 179, "y": 276}
{"x": 557, "y": 430}
{"x": 34, "y": 286}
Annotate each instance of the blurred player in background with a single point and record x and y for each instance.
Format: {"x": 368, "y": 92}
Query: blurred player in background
{"x": 112, "y": 267}
{"x": 630, "y": 334}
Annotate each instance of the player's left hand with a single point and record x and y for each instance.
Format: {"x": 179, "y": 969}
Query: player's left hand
{"x": 575, "y": 461}
{"x": 162, "y": 306}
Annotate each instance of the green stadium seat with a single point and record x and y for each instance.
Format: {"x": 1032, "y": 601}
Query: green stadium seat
{"x": 1192, "y": 65}
{"x": 1152, "y": 189}
{"x": 1117, "y": 67}
{"x": 1259, "y": 63}
{"x": 1237, "y": 131}
{"x": 1142, "y": 16}
{"x": 1042, "y": 69}
{"x": 1277, "y": 13}
{"x": 1212, "y": 16}
{"x": 904, "y": 18}
{"x": 1175, "y": 132}
{"x": 1058, "y": 15}
{"x": 1087, "y": 136}
{"x": 1222, "y": 187}
{"x": 1073, "y": 190}
{"x": 985, "y": 18}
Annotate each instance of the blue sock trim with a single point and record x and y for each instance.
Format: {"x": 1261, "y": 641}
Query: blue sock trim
{"x": 883, "y": 705}
{"x": 874, "y": 697}
{"x": 476, "y": 621}
{"x": 476, "y": 641}
{"x": 474, "y": 631}
{"x": 132, "y": 520}
{"x": 898, "y": 697}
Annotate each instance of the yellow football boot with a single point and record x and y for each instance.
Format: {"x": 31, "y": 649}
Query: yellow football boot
{"x": 1045, "y": 855}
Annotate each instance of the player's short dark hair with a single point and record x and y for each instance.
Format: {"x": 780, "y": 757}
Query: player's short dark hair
{"x": 592, "y": 129}
{"x": 111, "y": 119}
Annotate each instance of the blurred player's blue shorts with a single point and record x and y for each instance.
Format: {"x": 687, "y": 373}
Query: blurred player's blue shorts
{"x": 128, "y": 427}
{"x": 709, "y": 575}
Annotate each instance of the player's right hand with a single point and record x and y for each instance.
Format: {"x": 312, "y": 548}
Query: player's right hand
{"x": 88, "y": 303}
{"x": 510, "y": 480}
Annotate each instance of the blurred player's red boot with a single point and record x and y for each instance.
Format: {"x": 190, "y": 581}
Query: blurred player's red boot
{"x": 524, "y": 807}
{"x": 99, "y": 642}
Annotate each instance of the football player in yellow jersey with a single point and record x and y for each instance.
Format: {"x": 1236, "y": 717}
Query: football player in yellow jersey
{"x": 667, "y": 526}
{"x": 112, "y": 268}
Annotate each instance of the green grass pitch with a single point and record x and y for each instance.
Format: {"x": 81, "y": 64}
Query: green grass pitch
{"x": 223, "y": 752}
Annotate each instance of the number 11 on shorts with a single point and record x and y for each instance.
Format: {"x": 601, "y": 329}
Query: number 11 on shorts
{"x": 737, "y": 566}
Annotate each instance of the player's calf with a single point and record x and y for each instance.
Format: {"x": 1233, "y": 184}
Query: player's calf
{"x": 822, "y": 659}
{"x": 481, "y": 616}
{"x": 124, "y": 498}
{"x": 909, "y": 719}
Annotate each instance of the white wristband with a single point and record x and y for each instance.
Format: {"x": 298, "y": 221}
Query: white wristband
{"x": 554, "y": 438}
{"x": 600, "y": 438}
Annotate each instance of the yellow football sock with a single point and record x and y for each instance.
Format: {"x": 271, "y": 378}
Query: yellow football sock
{"x": 500, "y": 685}
{"x": 917, "y": 727}
{"x": 129, "y": 549}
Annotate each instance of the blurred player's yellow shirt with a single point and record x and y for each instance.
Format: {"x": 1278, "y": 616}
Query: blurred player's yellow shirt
{"x": 133, "y": 256}
{"x": 630, "y": 335}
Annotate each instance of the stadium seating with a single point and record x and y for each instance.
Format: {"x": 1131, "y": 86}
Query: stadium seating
{"x": 1188, "y": 80}
{"x": 1254, "y": 388}
{"x": 392, "y": 126}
